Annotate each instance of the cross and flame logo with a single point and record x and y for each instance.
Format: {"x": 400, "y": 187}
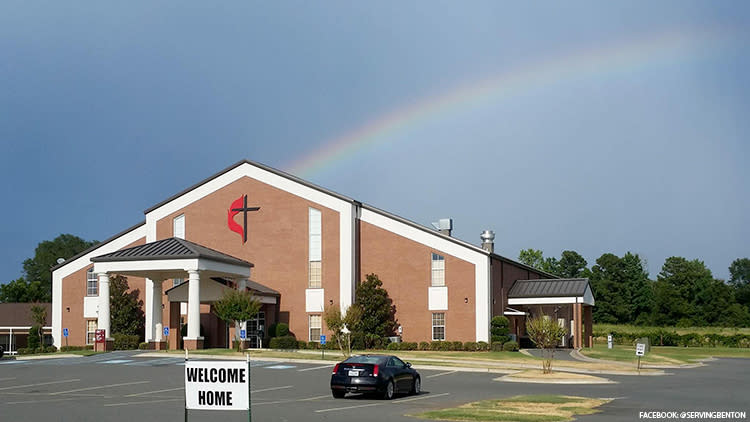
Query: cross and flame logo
{"x": 239, "y": 205}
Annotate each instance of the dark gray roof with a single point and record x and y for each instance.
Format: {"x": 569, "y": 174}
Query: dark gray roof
{"x": 548, "y": 288}
{"x": 172, "y": 248}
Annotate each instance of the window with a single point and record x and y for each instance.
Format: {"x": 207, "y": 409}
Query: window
{"x": 314, "y": 327}
{"x": 314, "y": 280}
{"x": 176, "y": 282}
{"x": 92, "y": 283}
{"x": 90, "y": 331}
{"x": 178, "y": 226}
{"x": 438, "y": 326}
{"x": 438, "y": 270}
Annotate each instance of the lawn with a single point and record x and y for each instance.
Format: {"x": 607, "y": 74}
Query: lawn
{"x": 664, "y": 354}
{"x": 539, "y": 408}
{"x": 624, "y": 328}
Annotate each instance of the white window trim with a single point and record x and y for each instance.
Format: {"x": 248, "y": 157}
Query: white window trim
{"x": 310, "y": 327}
{"x": 433, "y": 326}
{"x": 95, "y": 279}
{"x": 433, "y": 269}
{"x": 178, "y": 221}
{"x": 87, "y": 330}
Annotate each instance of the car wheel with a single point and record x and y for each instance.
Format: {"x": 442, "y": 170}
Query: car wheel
{"x": 338, "y": 394}
{"x": 416, "y": 387}
{"x": 390, "y": 390}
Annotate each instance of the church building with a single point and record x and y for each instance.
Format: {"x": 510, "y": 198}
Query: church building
{"x": 301, "y": 248}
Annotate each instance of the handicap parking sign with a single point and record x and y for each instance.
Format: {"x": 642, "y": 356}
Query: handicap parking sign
{"x": 65, "y": 332}
{"x": 166, "y": 331}
{"x": 322, "y": 339}
{"x": 243, "y": 334}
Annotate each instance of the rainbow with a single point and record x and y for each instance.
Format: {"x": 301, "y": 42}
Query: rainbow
{"x": 624, "y": 57}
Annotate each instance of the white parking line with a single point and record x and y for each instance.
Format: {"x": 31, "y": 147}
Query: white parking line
{"x": 7, "y": 379}
{"x": 290, "y": 400}
{"x": 152, "y": 392}
{"x": 98, "y": 387}
{"x": 314, "y": 368}
{"x": 141, "y": 402}
{"x": 43, "y": 401}
{"x": 425, "y": 397}
{"x": 441, "y": 374}
{"x": 41, "y": 383}
{"x": 272, "y": 389}
{"x": 428, "y": 396}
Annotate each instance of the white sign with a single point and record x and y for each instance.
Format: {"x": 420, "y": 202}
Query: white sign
{"x": 217, "y": 385}
{"x": 640, "y": 349}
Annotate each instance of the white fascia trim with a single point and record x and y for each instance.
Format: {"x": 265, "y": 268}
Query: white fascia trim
{"x": 345, "y": 209}
{"x": 543, "y": 300}
{"x": 480, "y": 260}
{"x": 76, "y": 265}
{"x": 124, "y": 267}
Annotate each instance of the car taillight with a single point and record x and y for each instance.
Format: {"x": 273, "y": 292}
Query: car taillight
{"x": 335, "y": 368}
{"x": 375, "y": 371}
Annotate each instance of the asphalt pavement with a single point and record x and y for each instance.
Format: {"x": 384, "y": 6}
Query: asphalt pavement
{"x": 120, "y": 386}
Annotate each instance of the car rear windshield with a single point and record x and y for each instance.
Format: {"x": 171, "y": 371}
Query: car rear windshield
{"x": 365, "y": 359}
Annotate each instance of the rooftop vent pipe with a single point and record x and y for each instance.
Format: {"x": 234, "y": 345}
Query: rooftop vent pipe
{"x": 444, "y": 225}
{"x": 488, "y": 241}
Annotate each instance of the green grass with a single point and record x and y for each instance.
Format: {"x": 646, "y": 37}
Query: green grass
{"x": 664, "y": 354}
{"x": 541, "y": 408}
{"x": 81, "y": 352}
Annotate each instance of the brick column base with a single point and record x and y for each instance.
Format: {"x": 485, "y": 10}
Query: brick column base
{"x": 192, "y": 344}
{"x": 107, "y": 346}
{"x": 157, "y": 345}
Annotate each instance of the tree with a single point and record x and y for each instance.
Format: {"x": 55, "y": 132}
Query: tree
{"x": 612, "y": 296}
{"x": 378, "y": 313}
{"x": 739, "y": 278}
{"x": 20, "y": 290}
{"x": 534, "y": 258}
{"x": 236, "y": 306}
{"x": 339, "y": 325}
{"x": 125, "y": 308}
{"x": 499, "y": 329}
{"x": 571, "y": 265}
{"x": 36, "y": 283}
{"x": 39, "y": 317}
{"x": 639, "y": 288}
{"x": 546, "y": 334}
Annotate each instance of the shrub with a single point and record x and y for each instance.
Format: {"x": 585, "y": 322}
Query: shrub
{"x": 483, "y": 346}
{"x": 435, "y": 345}
{"x": 470, "y": 346}
{"x": 50, "y": 349}
{"x": 72, "y": 348}
{"x": 301, "y": 344}
{"x": 393, "y": 346}
{"x": 89, "y": 347}
{"x": 497, "y": 347}
{"x": 33, "y": 339}
{"x": 126, "y": 341}
{"x": 313, "y": 345}
{"x": 457, "y": 346}
{"x": 510, "y": 346}
{"x": 285, "y": 342}
{"x": 143, "y": 346}
{"x": 282, "y": 330}
{"x": 499, "y": 329}
{"x": 25, "y": 351}
{"x": 423, "y": 345}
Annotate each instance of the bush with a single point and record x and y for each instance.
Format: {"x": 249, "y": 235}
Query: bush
{"x": 285, "y": 342}
{"x": 25, "y": 351}
{"x": 510, "y": 346}
{"x": 50, "y": 349}
{"x": 483, "y": 346}
{"x": 499, "y": 329}
{"x": 314, "y": 345}
{"x": 301, "y": 344}
{"x": 470, "y": 346}
{"x": 282, "y": 330}
{"x": 393, "y": 346}
{"x": 423, "y": 345}
{"x": 72, "y": 348}
{"x": 33, "y": 338}
{"x": 143, "y": 345}
{"x": 126, "y": 341}
{"x": 497, "y": 347}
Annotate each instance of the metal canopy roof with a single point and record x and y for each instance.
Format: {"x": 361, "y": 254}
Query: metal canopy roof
{"x": 172, "y": 248}
{"x": 564, "y": 287}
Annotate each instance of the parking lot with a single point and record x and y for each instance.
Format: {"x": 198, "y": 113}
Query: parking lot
{"x": 120, "y": 386}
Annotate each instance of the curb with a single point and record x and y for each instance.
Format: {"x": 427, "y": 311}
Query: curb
{"x": 511, "y": 378}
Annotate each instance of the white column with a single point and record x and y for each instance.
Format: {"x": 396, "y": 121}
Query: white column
{"x": 148, "y": 306}
{"x": 194, "y": 305}
{"x": 103, "y": 318}
{"x": 156, "y": 310}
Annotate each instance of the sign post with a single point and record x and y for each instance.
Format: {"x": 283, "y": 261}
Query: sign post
{"x": 640, "y": 350}
{"x": 217, "y": 385}
{"x": 609, "y": 341}
{"x": 65, "y": 334}
{"x": 99, "y": 338}
{"x": 323, "y": 343}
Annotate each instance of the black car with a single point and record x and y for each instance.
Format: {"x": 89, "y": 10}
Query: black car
{"x": 374, "y": 374}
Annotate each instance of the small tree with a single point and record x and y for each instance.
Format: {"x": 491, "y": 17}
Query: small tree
{"x": 125, "y": 308}
{"x": 238, "y": 307}
{"x": 339, "y": 325}
{"x": 499, "y": 329}
{"x": 39, "y": 316}
{"x": 378, "y": 313}
{"x": 545, "y": 333}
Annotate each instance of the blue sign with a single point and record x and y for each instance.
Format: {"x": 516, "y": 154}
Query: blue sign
{"x": 243, "y": 334}
{"x": 166, "y": 331}
{"x": 322, "y": 339}
{"x": 65, "y": 332}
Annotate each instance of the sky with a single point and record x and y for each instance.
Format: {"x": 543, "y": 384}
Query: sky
{"x": 580, "y": 125}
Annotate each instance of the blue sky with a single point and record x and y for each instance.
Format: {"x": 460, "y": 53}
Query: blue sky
{"x": 107, "y": 109}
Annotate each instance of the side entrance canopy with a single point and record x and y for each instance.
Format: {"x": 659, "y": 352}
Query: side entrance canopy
{"x": 161, "y": 260}
{"x": 571, "y": 298}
